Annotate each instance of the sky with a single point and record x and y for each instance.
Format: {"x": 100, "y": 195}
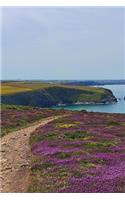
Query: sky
{"x": 63, "y": 43}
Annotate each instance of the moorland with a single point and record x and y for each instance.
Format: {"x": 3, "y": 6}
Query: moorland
{"x": 47, "y": 150}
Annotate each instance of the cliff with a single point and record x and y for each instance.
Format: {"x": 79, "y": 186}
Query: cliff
{"x": 51, "y": 96}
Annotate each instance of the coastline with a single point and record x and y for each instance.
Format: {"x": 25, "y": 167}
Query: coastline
{"x": 86, "y": 103}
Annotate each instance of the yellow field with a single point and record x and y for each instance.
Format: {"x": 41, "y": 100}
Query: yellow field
{"x": 11, "y": 89}
{"x": 16, "y": 87}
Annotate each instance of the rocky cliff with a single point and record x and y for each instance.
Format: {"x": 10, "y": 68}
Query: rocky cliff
{"x": 48, "y": 97}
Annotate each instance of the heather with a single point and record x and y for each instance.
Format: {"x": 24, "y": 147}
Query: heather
{"x": 15, "y": 117}
{"x": 82, "y": 152}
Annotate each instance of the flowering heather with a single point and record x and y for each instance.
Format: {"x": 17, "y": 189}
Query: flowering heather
{"x": 14, "y": 117}
{"x": 83, "y": 152}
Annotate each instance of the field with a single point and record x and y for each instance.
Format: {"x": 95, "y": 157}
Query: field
{"x": 15, "y": 117}
{"x": 17, "y": 87}
{"x": 81, "y": 153}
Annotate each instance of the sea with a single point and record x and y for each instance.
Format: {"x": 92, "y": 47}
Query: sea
{"x": 119, "y": 107}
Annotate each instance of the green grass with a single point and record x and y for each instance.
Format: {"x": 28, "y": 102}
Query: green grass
{"x": 36, "y": 138}
{"x": 100, "y": 144}
{"x": 114, "y": 123}
{"x": 75, "y": 135}
{"x": 53, "y": 135}
{"x": 86, "y": 164}
{"x": 17, "y": 87}
{"x": 15, "y": 107}
{"x": 48, "y": 95}
{"x": 63, "y": 155}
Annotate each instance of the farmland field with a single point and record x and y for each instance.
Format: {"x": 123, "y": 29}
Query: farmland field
{"x": 15, "y": 87}
{"x": 81, "y": 153}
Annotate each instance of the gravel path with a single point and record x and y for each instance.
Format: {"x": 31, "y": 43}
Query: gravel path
{"x": 15, "y": 159}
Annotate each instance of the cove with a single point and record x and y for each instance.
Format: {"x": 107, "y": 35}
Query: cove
{"x": 119, "y": 107}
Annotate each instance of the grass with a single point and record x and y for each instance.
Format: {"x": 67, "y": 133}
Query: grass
{"x": 114, "y": 123}
{"x": 75, "y": 135}
{"x": 13, "y": 89}
{"x": 86, "y": 164}
{"x": 63, "y": 155}
{"x": 17, "y": 87}
{"x": 15, "y": 107}
{"x": 36, "y": 138}
{"x": 49, "y": 94}
{"x": 53, "y": 136}
{"x": 100, "y": 144}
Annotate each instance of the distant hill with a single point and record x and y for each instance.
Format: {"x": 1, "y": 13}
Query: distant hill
{"x": 49, "y": 94}
{"x": 94, "y": 82}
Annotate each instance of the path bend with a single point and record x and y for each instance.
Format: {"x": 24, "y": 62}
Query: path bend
{"x": 15, "y": 158}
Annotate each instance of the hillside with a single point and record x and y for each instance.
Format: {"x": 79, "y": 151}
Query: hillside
{"x": 84, "y": 152}
{"x": 62, "y": 151}
{"x": 46, "y": 94}
{"x": 16, "y": 117}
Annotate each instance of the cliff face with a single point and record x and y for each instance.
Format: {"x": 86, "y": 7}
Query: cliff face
{"x": 108, "y": 97}
{"x": 52, "y": 96}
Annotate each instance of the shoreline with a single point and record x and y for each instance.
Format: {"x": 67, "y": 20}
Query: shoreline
{"x": 86, "y": 103}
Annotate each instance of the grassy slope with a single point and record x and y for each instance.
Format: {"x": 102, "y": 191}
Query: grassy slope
{"x": 15, "y": 87}
{"x": 31, "y": 93}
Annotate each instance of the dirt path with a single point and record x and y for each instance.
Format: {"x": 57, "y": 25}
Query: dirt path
{"x": 15, "y": 159}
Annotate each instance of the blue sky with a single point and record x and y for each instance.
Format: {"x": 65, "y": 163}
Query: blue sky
{"x": 63, "y": 43}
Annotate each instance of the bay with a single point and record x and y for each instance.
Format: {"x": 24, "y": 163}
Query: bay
{"x": 119, "y": 107}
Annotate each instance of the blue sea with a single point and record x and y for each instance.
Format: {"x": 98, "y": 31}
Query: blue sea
{"x": 119, "y": 107}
